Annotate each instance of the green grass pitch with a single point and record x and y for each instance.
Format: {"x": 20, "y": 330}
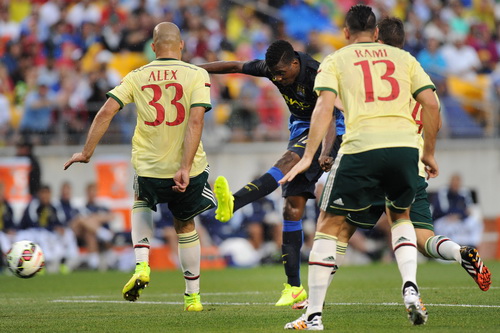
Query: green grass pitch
{"x": 360, "y": 299}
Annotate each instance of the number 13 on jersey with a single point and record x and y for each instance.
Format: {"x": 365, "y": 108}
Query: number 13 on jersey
{"x": 368, "y": 79}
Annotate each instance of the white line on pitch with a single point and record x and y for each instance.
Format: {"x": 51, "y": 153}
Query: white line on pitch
{"x": 252, "y": 303}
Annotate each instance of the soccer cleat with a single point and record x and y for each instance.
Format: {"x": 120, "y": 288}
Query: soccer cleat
{"x": 291, "y": 295}
{"x": 417, "y": 313}
{"x": 225, "y": 200}
{"x": 192, "y": 302}
{"x": 137, "y": 282}
{"x": 301, "y": 305}
{"x": 316, "y": 324}
{"x": 472, "y": 263}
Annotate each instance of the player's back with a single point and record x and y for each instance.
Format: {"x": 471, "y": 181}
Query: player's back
{"x": 375, "y": 83}
{"x": 164, "y": 92}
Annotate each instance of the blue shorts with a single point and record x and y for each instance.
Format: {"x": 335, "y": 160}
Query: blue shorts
{"x": 304, "y": 184}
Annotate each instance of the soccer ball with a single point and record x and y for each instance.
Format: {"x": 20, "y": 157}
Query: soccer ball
{"x": 25, "y": 259}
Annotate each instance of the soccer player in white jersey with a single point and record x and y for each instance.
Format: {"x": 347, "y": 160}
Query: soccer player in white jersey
{"x": 171, "y": 167}
{"x": 380, "y": 149}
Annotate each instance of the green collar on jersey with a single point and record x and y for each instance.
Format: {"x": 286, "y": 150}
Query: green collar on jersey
{"x": 166, "y": 59}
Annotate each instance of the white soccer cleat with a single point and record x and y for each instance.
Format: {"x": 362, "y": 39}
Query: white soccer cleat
{"x": 417, "y": 313}
{"x": 316, "y": 324}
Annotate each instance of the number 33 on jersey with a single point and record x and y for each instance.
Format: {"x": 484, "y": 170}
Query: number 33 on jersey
{"x": 164, "y": 91}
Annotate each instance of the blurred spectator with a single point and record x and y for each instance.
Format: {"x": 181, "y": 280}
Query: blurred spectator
{"x": 458, "y": 21}
{"x": 36, "y": 121}
{"x": 5, "y": 119}
{"x": 92, "y": 231}
{"x": 7, "y": 226}
{"x": 112, "y": 36}
{"x": 456, "y": 215}
{"x": 271, "y": 111}
{"x": 10, "y": 59}
{"x": 437, "y": 27}
{"x": 83, "y": 11}
{"x": 25, "y": 149}
{"x": 165, "y": 231}
{"x": 64, "y": 235}
{"x": 9, "y": 29}
{"x": 38, "y": 224}
{"x": 244, "y": 119}
{"x": 50, "y": 73}
{"x": 262, "y": 224}
{"x": 481, "y": 40}
{"x": 464, "y": 59}
{"x": 433, "y": 61}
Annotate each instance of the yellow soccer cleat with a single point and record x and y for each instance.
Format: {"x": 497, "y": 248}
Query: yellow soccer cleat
{"x": 291, "y": 295}
{"x": 192, "y": 303}
{"x": 225, "y": 200}
{"x": 137, "y": 282}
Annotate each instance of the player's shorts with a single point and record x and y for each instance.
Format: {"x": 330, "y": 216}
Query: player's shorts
{"x": 420, "y": 213}
{"x": 352, "y": 183}
{"x": 304, "y": 184}
{"x": 197, "y": 198}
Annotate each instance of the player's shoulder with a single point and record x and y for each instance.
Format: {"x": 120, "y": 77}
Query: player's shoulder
{"x": 308, "y": 60}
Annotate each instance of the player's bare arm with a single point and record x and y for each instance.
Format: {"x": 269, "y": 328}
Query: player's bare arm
{"x": 431, "y": 123}
{"x": 223, "y": 67}
{"x": 192, "y": 140}
{"x": 321, "y": 120}
{"x": 325, "y": 160}
{"x": 97, "y": 129}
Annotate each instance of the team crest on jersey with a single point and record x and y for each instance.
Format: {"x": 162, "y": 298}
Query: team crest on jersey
{"x": 301, "y": 90}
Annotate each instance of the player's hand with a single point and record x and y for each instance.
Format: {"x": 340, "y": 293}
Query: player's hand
{"x": 76, "y": 158}
{"x": 431, "y": 166}
{"x": 181, "y": 180}
{"x": 300, "y": 167}
{"x": 326, "y": 162}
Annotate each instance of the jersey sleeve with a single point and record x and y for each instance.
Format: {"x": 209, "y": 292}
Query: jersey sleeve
{"x": 123, "y": 93}
{"x": 419, "y": 78}
{"x": 256, "y": 68}
{"x": 327, "y": 77}
{"x": 201, "y": 91}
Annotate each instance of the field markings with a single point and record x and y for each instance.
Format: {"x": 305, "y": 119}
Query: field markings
{"x": 257, "y": 303}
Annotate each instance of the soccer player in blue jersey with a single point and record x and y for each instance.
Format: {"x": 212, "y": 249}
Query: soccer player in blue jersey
{"x": 293, "y": 73}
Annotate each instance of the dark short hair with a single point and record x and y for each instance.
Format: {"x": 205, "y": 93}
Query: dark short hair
{"x": 360, "y": 18}
{"x": 391, "y": 31}
{"x": 280, "y": 50}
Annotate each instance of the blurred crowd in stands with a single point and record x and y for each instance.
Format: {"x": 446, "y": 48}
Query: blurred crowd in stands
{"x": 58, "y": 58}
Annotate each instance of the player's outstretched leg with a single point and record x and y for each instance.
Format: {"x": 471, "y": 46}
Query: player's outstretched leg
{"x": 137, "y": 282}
{"x": 472, "y": 263}
{"x": 291, "y": 295}
{"x": 192, "y": 302}
{"x": 225, "y": 200}
{"x": 417, "y": 313}
{"x": 314, "y": 324}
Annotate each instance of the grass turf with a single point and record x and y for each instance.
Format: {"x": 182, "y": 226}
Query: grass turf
{"x": 361, "y": 299}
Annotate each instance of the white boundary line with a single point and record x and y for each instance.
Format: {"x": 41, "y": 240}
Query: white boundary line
{"x": 252, "y": 303}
